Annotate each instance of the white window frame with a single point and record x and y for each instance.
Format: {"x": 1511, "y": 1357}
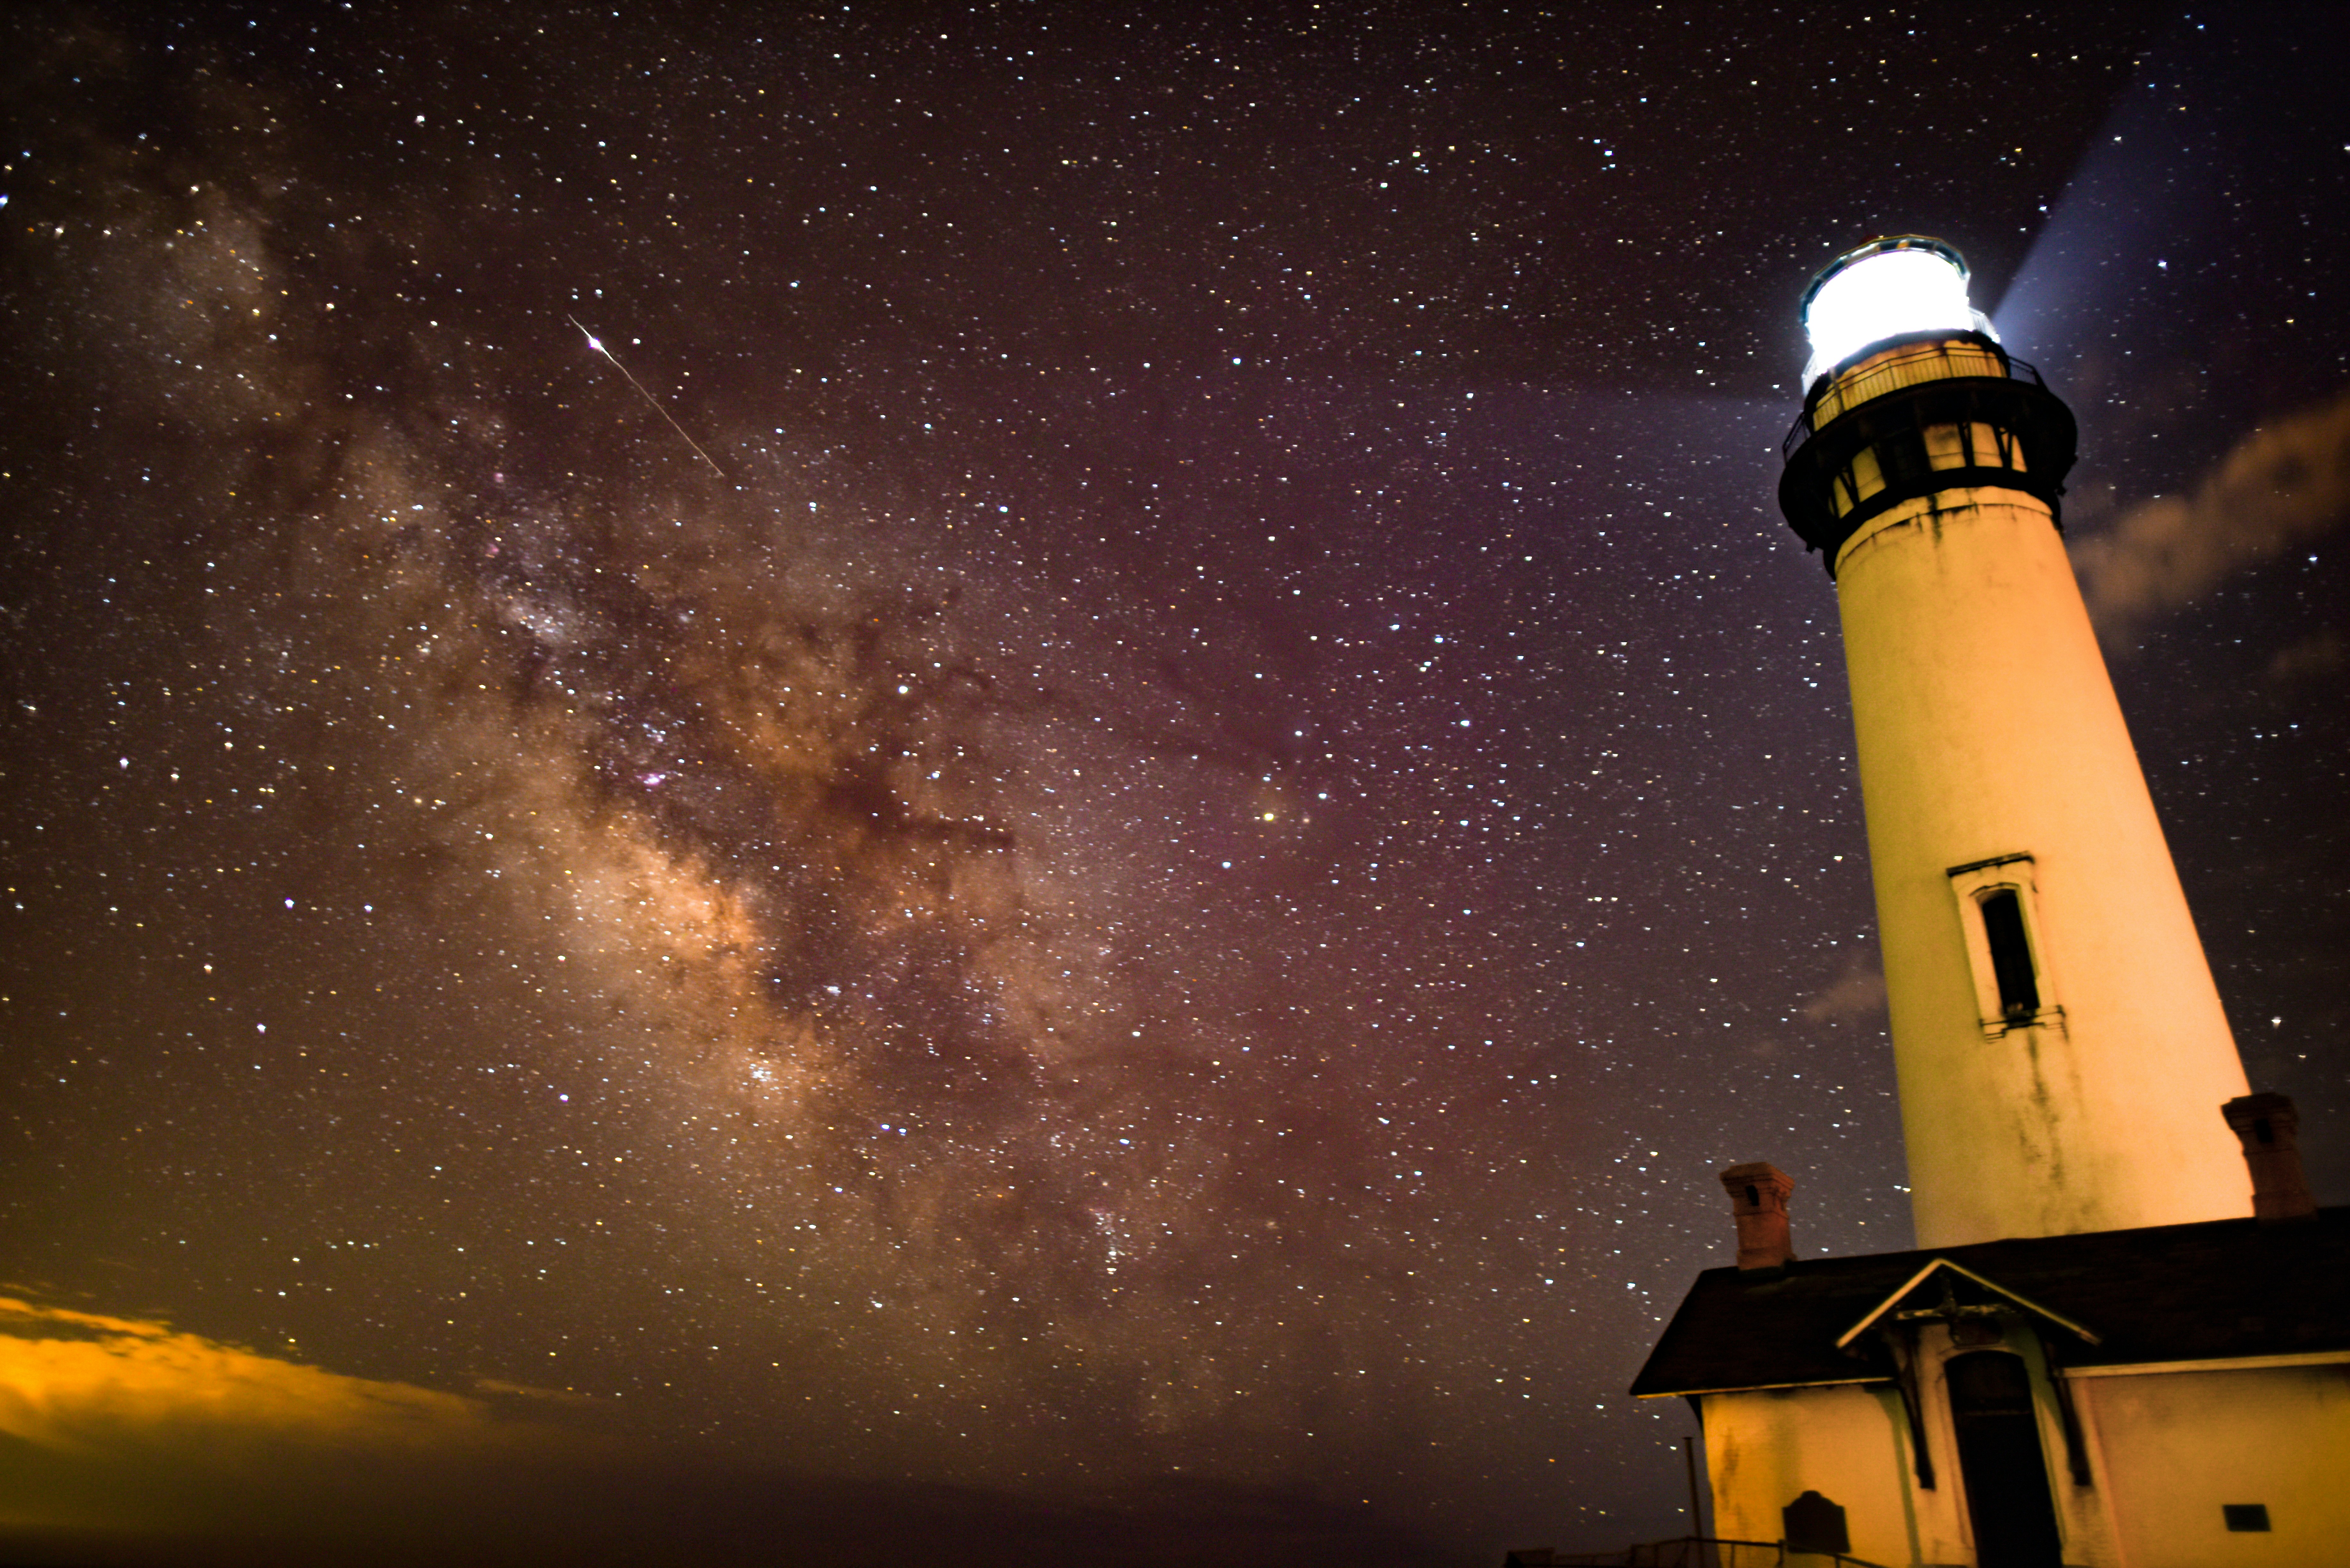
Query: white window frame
{"x": 1973, "y": 883}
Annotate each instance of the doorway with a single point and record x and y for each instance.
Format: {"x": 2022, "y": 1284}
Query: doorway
{"x": 2000, "y": 1455}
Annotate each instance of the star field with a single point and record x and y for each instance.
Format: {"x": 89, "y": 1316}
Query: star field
{"x": 1136, "y": 788}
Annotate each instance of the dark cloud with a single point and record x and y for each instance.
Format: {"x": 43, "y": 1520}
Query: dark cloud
{"x": 2281, "y": 488}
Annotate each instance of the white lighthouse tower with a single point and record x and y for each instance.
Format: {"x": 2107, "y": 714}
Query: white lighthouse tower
{"x": 2060, "y": 1049}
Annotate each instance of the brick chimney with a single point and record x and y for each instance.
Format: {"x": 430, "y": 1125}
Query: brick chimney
{"x": 1758, "y": 1197}
{"x": 2268, "y": 1127}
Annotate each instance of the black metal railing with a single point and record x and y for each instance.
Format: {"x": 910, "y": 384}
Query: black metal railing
{"x": 1685, "y": 1552}
{"x": 1899, "y": 370}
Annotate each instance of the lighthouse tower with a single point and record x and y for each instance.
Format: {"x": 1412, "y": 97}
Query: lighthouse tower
{"x": 2060, "y": 1046}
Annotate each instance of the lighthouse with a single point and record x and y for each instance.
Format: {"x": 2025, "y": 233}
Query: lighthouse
{"x": 2059, "y": 1044}
{"x": 2121, "y": 1338}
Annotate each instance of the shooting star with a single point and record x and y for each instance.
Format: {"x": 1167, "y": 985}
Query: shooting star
{"x": 597, "y": 344}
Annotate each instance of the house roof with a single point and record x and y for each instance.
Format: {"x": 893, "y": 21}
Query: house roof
{"x": 2220, "y": 1289}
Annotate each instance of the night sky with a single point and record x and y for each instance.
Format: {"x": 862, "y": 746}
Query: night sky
{"x": 1140, "y": 911}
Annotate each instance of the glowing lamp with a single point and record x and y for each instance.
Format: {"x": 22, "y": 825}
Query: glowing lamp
{"x": 1901, "y": 286}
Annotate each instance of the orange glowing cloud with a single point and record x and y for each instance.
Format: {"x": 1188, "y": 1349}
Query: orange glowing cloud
{"x": 123, "y": 1428}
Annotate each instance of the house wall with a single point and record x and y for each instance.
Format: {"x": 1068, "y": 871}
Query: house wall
{"x": 1850, "y": 1444}
{"x": 2176, "y": 1446}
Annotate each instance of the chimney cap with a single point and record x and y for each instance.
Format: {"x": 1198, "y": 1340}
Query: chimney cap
{"x": 2245, "y": 1109}
{"x": 2269, "y": 1129}
{"x": 1759, "y": 1173}
{"x": 1758, "y": 1199}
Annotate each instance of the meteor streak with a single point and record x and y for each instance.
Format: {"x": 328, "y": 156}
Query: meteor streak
{"x": 597, "y": 344}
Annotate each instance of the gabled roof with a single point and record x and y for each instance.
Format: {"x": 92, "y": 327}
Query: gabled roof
{"x": 2000, "y": 1298}
{"x": 2224, "y": 1289}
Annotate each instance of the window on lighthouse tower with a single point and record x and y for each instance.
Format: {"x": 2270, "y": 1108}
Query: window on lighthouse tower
{"x": 2005, "y": 947}
{"x": 2010, "y": 955}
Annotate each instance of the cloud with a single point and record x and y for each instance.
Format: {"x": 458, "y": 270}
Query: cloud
{"x": 1858, "y": 995}
{"x": 120, "y": 1425}
{"x": 2282, "y": 486}
{"x": 2317, "y": 655}
{"x": 125, "y": 1441}
{"x": 69, "y": 1379}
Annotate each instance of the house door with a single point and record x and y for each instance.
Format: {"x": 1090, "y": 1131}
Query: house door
{"x": 2000, "y": 1455}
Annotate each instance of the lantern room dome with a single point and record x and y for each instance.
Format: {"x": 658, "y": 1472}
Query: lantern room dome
{"x": 1901, "y": 285}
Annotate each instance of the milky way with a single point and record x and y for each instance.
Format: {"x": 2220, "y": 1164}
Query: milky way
{"x": 1152, "y": 804}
